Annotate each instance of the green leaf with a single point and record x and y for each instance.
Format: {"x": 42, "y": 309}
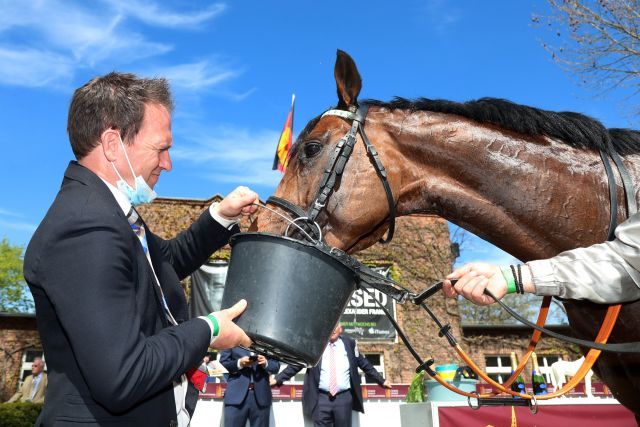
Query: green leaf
{"x": 416, "y": 389}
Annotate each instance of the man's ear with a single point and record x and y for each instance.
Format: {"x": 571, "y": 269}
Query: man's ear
{"x": 110, "y": 142}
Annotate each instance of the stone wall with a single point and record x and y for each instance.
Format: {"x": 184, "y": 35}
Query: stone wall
{"x": 421, "y": 255}
{"x": 482, "y": 341}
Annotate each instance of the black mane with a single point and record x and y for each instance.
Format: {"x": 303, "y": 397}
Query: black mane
{"x": 576, "y": 130}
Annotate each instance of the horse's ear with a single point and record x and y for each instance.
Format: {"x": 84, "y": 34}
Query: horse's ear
{"x": 348, "y": 81}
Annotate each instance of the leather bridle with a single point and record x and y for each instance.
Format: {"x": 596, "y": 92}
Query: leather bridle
{"x": 334, "y": 169}
{"x": 627, "y": 185}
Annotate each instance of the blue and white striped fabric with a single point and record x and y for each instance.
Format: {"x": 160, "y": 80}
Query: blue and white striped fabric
{"x": 138, "y": 227}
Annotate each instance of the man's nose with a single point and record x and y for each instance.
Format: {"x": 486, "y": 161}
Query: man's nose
{"x": 165, "y": 161}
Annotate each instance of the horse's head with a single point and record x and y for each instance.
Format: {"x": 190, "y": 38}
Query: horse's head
{"x": 356, "y": 212}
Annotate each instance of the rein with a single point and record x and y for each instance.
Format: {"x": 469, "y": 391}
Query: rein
{"x": 335, "y": 167}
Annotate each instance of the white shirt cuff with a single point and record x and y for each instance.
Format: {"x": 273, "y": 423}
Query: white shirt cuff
{"x": 226, "y": 223}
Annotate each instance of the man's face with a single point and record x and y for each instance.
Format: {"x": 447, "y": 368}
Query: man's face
{"x": 149, "y": 153}
{"x": 36, "y": 366}
{"x": 336, "y": 333}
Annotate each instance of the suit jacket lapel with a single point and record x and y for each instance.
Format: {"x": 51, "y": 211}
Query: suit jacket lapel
{"x": 28, "y": 385}
{"x": 353, "y": 370}
{"x": 347, "y": 347}
{"x": 81, "y": 174}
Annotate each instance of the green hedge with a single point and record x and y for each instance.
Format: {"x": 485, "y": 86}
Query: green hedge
{"x": 19, "y": 414}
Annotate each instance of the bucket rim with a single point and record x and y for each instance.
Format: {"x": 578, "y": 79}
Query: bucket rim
{"x": 321, "y": 247}
{"x": 244, "y": 234}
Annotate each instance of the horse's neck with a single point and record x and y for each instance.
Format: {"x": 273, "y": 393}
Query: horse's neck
{"x": 532, "y": 197}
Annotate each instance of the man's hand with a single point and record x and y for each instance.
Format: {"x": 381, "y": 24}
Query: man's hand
{"x": 237, "y": 203}
{"x": 262, "y": 361}
{"x": 272, "y": 381}
{"x": 230, "y": 335}
{"x": 473, "y": 279}
{"x": 386, "y": 384}
{"x": 246, "y": 362}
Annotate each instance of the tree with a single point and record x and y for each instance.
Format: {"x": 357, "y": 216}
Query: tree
{"x": 14, "y": 296}
{"x": 598, "y": 41}
{"x": 527, "y": 305}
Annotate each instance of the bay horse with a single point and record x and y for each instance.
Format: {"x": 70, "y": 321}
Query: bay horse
{"x": 527, "y": 180}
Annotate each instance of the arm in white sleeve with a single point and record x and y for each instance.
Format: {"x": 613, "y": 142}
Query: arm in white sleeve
{"x": 603, "y": 273}
{"x": 226, "y": 223}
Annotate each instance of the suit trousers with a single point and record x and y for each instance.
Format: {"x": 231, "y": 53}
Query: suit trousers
{"x": 237, "y": 415}
{"x": 334, "y": 411}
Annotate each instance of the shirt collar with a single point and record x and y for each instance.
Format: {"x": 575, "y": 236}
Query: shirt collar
{"x": 124, "y": 204}
{"x": 336, "y": 343}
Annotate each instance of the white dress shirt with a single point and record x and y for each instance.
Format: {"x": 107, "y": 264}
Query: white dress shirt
{"x": 342, "y": 367}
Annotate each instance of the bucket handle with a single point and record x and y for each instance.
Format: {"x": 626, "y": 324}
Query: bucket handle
{"x": 293, "y": 222}
{"x": 304, "y": 218}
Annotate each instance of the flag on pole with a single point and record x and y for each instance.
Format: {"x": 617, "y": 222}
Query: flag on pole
{"x": 281, "y": 159}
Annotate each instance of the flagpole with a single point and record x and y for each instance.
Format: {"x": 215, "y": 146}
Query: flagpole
{"x": 293, "y": 100}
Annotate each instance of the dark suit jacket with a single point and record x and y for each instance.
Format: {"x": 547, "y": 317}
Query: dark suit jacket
{"x": 238, "y": 379}
{"x": 312, "y": 378}
{"x": 111, "y": 355}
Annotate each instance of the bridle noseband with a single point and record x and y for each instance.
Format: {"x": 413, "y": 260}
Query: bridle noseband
{"x": 334, "y": 169}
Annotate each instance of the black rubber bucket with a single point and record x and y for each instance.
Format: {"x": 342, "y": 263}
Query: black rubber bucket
{"x": 296, "y": 293}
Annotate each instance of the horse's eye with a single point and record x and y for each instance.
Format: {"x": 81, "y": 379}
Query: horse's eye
{"x": 311, "y": 149}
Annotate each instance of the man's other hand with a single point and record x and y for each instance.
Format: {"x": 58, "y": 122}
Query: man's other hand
{"x": 238, "y": 202}
{"x": 230, "y": 335}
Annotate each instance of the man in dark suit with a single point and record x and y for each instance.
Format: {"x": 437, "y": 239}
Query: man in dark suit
{"x": 332, "y": 389}
{"x": 111, "y": 313}
{"x": 248, "y": 394}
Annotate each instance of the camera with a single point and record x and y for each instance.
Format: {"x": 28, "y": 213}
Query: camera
{"x": 253, "y": 357}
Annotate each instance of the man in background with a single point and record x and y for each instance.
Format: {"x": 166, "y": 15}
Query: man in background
{"x": 332, "y": 388}
{"x": 34, "y": 385}
{"x": 248, "y": 394}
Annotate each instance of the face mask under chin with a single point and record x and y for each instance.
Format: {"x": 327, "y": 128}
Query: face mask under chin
{"x": 139, "y": 195}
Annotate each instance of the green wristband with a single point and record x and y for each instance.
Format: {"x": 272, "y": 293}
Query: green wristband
{"x": 216, "y": 326}
{"x": 511, "y": 281}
